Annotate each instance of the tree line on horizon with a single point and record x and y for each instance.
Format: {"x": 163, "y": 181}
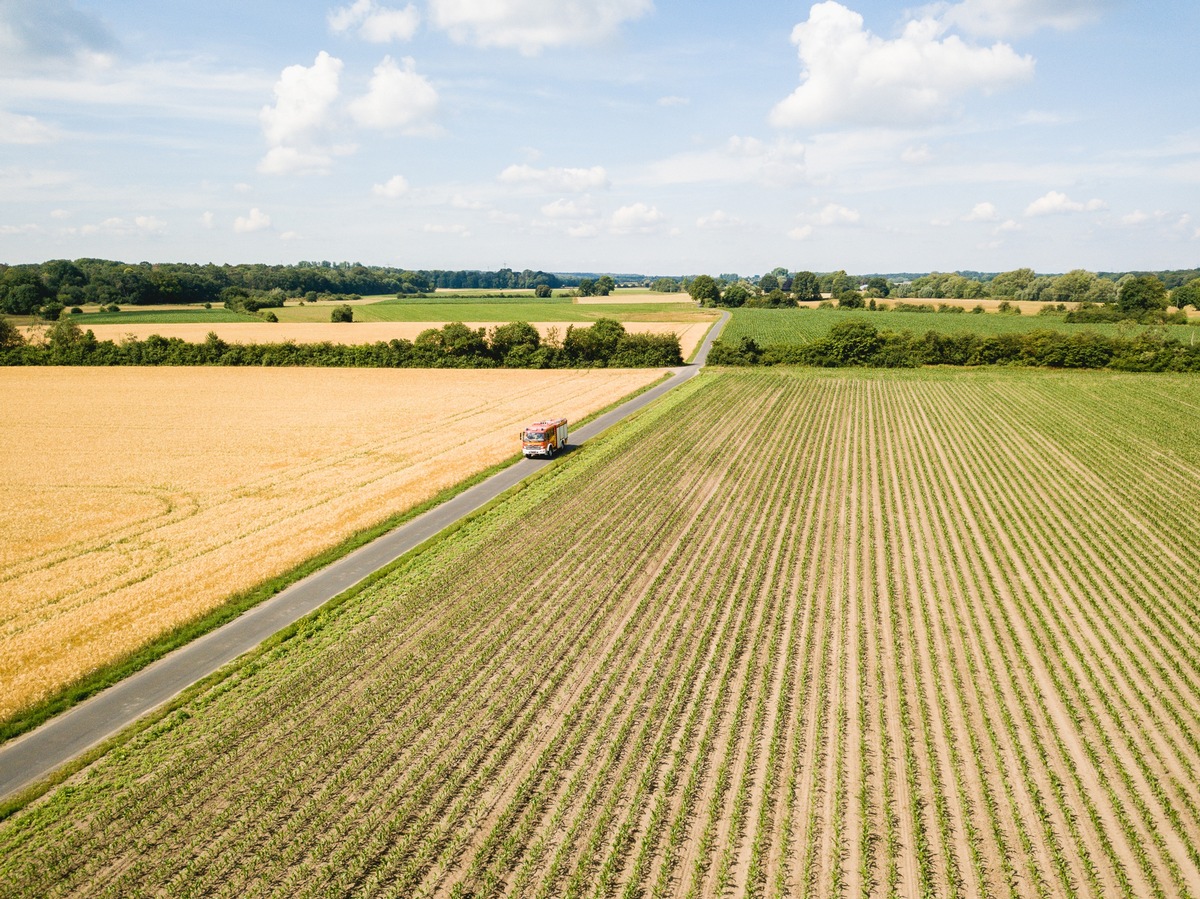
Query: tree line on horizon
{"x": 47, "y": 288}
{"x": 1139, "y": 293}
{"x": 29, "y": 289}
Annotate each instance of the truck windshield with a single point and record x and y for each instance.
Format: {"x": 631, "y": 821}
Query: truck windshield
{"x": 535, "y": 435}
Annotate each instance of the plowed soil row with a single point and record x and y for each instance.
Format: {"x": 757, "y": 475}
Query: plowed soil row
{"x": 785, "y": 634}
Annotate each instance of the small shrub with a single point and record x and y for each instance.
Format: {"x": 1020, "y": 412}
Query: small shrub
{"x": 75, "y": 310}
{"x": 270, "y": 317}
{"x": 342, "y": 313}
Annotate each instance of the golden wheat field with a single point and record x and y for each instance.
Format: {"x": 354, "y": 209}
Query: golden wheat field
{"x": 138, "y": 498}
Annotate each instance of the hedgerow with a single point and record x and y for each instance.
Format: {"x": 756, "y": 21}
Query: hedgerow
{"x": 606, "y": 343}
{"x": 856, "y": 342}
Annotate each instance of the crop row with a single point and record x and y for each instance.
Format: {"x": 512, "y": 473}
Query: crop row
{"x": 787, "y": 633}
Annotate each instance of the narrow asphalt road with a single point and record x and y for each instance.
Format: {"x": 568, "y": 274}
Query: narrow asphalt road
{"x": 35, "y": 755}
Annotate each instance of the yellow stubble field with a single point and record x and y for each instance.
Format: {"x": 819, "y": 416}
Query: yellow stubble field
{"x": 135, "y": 499}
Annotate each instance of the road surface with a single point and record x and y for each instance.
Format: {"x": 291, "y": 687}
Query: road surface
{"x": 33, "y": 756}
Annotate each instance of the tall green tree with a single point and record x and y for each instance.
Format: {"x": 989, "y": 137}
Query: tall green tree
{"x": 806, "y": 287}
{"x": 839, "y": 283}
{"x": 1141, "y": 293}
{"x": 1187, "y": 294}
{"x": 703, "y": 289}
{"x": 515, "y": 342}
{"x": 880, "y": 285}
{"x": 1010, "y": 284}
{"x": 735, "y": 295}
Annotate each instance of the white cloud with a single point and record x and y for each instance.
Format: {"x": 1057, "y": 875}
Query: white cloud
{"x": 141, "y": 226}
{"x": 459, "y": 201}
{"x": 456, "y": 230}
{"x": 851, "y": 76}
{"x": 149, "y": 224}
{"x": 1134, "y": 218}
{"x": 375, "y": 23}
{"x": 557, "y": 179}
{"x": 207, "y": 220}
{"x": 718, "y": 219}
{"x": 290, "y": 235}
{"x": 398, "y": 98}
{"x": 673, "y": 101}
{"x": 982, "y": 212}
{"x": 392, "y": 189}
{"x": 636, "y": 218}
{"x": 567, "y": 209}
{"x": 255, "y": 220}
{"x": 1011, "y": 18}
{"x": 532, "y": 25}
{"x": 583, "y": 232}
{"x": 60, "y": 213}
{"x": 739, "y": 160}
{"x": 801, "y": 232}
{"x": 24, "y": 129}
{"x": 1055, "y": 203}
{"x": 291, "y": 161}
{"x": 835, "y": 214}
{"x": 1008, "y": 225}
{"x": 12, "y": 230}
{"x": 304, "y": 97}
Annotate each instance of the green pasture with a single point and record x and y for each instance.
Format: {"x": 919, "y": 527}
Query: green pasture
{"x": 494, "y": 309}
{"x": 767, "y": 326}
{"x": 189, "y": 316}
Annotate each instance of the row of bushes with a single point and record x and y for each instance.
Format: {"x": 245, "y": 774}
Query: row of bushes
{"x": 605, "y": 343}
{"x": 856, "y": 342}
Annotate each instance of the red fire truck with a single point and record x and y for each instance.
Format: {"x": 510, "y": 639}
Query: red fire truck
{"x": 544, "y": 438}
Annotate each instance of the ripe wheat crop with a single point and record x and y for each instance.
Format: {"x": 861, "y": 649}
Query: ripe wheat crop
{"x": 136, "y": 499}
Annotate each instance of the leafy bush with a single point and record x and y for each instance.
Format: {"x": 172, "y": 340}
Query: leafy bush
{"x": 51, "y": 311}
{"x": 342, "y": 313}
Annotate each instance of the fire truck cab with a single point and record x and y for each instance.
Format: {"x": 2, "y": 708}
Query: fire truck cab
{"x": 544, "y": 438}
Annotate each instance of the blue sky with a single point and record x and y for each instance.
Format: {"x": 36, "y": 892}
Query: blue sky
{"x": 655, "y": 136}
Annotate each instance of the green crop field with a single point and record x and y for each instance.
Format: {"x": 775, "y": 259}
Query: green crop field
{"x": 496, "y": 309}
{"x": 131, "y": 315}
{"x": 785, "y": 633}
{"x": 767, "y": 326}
